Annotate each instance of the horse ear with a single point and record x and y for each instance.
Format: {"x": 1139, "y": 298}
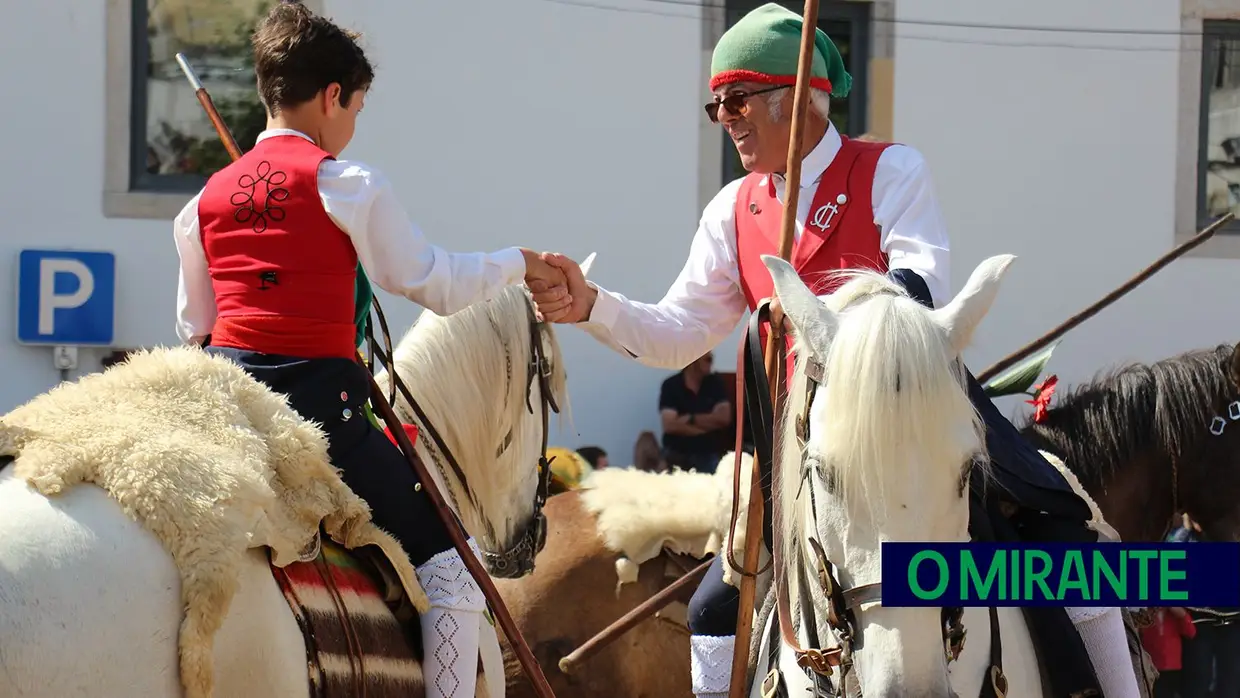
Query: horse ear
{"x": 585, "y": 266}
{"x": 810, "y": 316}
{"x": 962, "y": 316}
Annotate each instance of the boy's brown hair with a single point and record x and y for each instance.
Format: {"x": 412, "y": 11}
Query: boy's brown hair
{"x": 297, "y": 53}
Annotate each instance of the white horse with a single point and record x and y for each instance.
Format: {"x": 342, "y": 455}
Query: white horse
{"x": 90, "y": 600}
{"x": 891, "y": 439}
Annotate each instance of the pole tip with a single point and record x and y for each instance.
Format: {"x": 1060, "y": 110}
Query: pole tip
{"x": 566, "y": 664}
{"x": 189, "y": 72}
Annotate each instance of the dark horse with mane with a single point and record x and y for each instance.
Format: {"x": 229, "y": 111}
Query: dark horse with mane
{"x": 1149, "y": 441}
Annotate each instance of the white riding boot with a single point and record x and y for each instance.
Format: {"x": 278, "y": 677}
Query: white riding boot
{"x": 711, "y": 663}
{"x": 1102, "y": 631}
{"x": 450, "y": 630}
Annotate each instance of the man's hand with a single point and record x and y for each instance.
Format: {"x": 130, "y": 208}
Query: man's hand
{"x": 549, "y": 281}
{"x": 551, "y": 302}
{"x": 777, "y": 315}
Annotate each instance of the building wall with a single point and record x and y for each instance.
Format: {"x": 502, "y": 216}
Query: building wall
{"x": 562, "y": 126}
{"x": 548, "y": 125}
{"x": 1062, "y": 148}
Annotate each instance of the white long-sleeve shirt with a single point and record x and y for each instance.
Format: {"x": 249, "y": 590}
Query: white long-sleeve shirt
{"x": 395, "y": 254}
{"x": 706, "y": 302}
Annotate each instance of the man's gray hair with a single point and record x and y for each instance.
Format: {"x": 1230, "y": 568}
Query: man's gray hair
{"x": 819, "y": 99}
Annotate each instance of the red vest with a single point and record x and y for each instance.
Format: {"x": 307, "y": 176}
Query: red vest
{"x": 839, "y": 232}
{"x": 282, "y": 270}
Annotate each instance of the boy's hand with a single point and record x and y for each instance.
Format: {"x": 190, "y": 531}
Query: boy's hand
{"x": 548, "y": 283}
{"x": 580, "y": 294}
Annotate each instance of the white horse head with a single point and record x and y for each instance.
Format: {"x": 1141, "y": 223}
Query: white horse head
{"x": 892, "y": 436}
{"x": 481, "y": 361}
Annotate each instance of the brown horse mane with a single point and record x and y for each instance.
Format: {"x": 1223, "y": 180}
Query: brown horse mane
{"x": 1164, "y": 407}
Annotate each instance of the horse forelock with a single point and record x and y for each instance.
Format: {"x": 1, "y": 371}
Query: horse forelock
{"x": 476, "y": 362}
{"x": 1137, "y": 409}
{"x": 892, "y": 409}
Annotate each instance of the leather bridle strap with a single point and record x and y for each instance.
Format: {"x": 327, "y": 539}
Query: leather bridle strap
{"x": 755, "y": 413}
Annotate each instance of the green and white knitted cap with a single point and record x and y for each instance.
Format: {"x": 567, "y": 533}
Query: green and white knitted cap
{"x": 764, "y": 47}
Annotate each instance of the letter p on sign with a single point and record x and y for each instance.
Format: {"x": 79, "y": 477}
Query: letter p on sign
{"x": 66, "y": 297}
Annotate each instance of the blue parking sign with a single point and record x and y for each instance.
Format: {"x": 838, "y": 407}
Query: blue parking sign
{"x": 66, "y": 297}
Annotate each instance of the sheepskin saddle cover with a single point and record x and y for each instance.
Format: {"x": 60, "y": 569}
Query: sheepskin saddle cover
{"x": 211, "y": 461}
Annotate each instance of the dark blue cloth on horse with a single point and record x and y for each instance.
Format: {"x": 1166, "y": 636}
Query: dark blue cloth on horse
{"x": 1019, "y": 469}
{"x": 332, "y": 393}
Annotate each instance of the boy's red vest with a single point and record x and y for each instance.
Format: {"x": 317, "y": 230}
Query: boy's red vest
{"x": 282, "y": 270}
{"x": 839, "y": 232}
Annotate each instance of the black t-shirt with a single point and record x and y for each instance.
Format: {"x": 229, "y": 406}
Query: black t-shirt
{"x": 675, "y": 395}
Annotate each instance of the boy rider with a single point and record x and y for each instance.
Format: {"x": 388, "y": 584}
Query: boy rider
{"x": 270, "y": 252}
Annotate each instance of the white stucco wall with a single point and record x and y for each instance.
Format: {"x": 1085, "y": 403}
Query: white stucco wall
{"x": 579, "y": 130}
{"x": 547, "y": 125}
{"x": 1066, "y": 158}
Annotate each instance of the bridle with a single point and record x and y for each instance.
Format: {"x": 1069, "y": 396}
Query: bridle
{"x": 843, "y": 604}
{"x": 517, "y": 560}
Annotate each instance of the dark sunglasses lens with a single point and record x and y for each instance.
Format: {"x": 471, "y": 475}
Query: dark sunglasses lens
{"x": 733, "y": 103}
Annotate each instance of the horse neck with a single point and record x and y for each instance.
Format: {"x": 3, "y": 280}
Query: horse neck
{"x": 449, "y": 365}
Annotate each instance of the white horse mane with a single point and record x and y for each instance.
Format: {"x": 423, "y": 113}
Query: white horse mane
{"x": 885, "y": 400}
{"x": 477, "y": 361}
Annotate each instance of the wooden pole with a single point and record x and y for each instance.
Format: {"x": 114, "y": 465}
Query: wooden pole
{"x": 775, "y": 336}
{"x": 629, "y": 620}
{"x": 541, "y": 686}
{"x": 1012, "y": 359}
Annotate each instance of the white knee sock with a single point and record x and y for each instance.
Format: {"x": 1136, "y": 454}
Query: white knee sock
{"x": 450, "y": 629}
{"x": 711, "y": 663}
{"x": 1102, "y": 631}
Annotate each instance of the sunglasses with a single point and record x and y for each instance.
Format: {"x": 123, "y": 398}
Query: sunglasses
{"x": 736, "y": 103}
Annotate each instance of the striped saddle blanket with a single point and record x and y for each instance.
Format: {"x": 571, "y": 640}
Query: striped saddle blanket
{"x": 362, "y": 634}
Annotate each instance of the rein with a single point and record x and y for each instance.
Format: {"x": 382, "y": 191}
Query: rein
{"x": 842, "y": 603}
{"x": 508, "y": 561}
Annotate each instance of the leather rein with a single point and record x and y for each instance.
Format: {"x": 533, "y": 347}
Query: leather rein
{"x": 516, "y": 559}
{"x": 842, "y": 603}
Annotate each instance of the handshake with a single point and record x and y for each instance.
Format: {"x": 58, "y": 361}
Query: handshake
{"x": 558, "y": 286}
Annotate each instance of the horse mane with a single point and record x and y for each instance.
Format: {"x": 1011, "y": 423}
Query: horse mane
{"x": 476, "y": 362}
{"x": 889, "y": 398}
{"x": 1128, "y": 411}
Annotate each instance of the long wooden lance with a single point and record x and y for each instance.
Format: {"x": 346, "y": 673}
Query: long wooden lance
{"x": 774, "y": 339}
{"x": 628, "y": 621}
{"x": 1067, "y": 325}
{"x": 502, "y": 616}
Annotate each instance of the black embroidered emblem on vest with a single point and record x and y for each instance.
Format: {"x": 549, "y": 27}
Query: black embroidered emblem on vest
{"x": 270, "y": 193}
{"x": 265, "y": 278}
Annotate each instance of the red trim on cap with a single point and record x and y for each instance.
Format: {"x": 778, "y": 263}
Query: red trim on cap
{"x": 728, "y": 77}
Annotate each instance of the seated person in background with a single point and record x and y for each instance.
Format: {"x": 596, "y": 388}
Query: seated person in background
{"x": 696, "y": 414}
{"x": 595, "y": 456}
{"x": 647, "y": 456}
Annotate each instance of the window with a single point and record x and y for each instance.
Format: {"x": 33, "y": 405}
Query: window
{"x": 848, "y": 25}
{"x": 161, "y": 146}
{"x": 173, "y": 145}
{"x": 1218, "y": 161}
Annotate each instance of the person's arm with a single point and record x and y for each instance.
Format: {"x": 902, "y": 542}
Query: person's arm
{"x": 702, "y": 306}
{"x": 720, "y": 416}
{"x": 680, "y": 424}
{"x": 914, "y": 232}
{"x": 670, "y": 417}
{"x": 399, "y": 258}
{"x": 195, "y": 296}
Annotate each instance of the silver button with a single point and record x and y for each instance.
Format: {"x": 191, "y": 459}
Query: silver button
{"x": 346, "y": 415}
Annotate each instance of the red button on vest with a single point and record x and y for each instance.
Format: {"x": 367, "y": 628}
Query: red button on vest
{"x": 282, "y": 270}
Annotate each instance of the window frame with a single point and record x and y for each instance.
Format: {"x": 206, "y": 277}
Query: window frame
{"x": 128, "y": 191}
{"x": 859, "y": 17}
{"x": 1212, "y": 31}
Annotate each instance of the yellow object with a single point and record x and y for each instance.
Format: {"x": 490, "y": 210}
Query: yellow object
{"x": 568, "y": 469}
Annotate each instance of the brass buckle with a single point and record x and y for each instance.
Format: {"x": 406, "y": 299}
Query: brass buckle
{"x": 816, "y": 661}
{"x": 770, "y": 683}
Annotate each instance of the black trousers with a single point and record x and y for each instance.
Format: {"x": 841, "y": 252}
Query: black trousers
{"x": 332, "y": 393}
